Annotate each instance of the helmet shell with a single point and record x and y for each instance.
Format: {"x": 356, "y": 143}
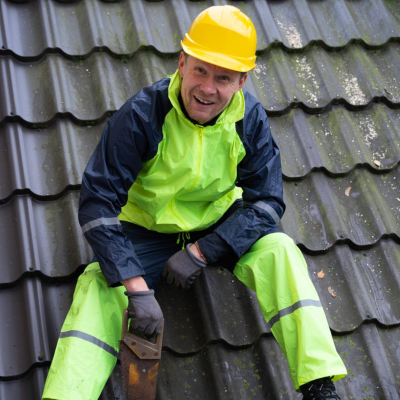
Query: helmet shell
{"x": 223, "y": 36}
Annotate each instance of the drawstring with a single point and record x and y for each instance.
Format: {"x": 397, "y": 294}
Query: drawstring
{"x": 183, "y": 236}
{"x": 179, "y": 238}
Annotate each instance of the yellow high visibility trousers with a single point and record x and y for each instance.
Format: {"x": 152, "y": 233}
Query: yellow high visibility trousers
{"x": 274, "y": 268}
{"x": 87, "y": 349}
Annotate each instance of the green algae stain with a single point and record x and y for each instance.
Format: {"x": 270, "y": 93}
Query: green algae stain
{"x": 350, "y": 372}
{"x": 351, "y": 343}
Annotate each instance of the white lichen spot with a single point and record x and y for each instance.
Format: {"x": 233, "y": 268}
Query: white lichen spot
{"x": 353, "y": 89}
{"x": 260, "y": 72}
{"x": 368, "y": 126}
{"x": 379, "y": 155}
{"x": 260, "y": 69}
{"x": 292, "y": 35}
{"x": 305, "y": 72}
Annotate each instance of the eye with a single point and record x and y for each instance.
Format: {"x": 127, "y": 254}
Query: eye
{"x": 201, "y": 70}
{"x": 224, "y": 78}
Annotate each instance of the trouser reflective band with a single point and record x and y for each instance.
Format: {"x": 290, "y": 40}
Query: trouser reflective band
{"x": 276, "y": 270}
{"x": 294, "y": 307}
{"x": 89, "y": 341}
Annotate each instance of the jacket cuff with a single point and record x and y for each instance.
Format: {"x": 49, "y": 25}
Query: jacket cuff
{"x": 214, "y": 248}
{"x": 115, "y": 278}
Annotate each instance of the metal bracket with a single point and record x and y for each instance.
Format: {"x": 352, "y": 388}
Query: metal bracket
{"x": 144, "y": 349}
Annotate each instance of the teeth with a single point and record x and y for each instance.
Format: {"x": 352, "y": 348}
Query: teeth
{"x": 203, "y": 101}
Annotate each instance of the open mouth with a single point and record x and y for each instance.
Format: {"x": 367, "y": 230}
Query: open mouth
{"x": 203, "y": 102}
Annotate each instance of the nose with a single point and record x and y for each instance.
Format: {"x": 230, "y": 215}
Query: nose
{"x": 208, "y": 86}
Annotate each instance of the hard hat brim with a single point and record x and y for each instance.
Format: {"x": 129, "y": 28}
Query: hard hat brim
{"x": 221, "y": 60}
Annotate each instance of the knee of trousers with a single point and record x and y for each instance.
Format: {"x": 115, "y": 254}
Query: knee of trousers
{"x": 89, "y": 339}
{"x": 96, "y": 308}
{"x": 276, "y": 270}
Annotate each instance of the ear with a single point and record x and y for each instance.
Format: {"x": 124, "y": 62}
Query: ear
{"x": 242, "y": 81}
{"x": 181, "y": 63}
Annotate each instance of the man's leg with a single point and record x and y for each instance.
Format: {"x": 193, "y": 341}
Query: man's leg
{"x": 276, "y": 270}
{"x": 88, "y": 346}
{"x": 87, "y": 349}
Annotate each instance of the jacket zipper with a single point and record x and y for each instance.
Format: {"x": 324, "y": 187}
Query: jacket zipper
{"x": 195, "y": 181}
{"x": 200, "y": 156}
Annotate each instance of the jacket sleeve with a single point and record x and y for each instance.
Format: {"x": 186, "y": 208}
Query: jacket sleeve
{"x": 260, "y": 177}
{"x": 108, "y": 176}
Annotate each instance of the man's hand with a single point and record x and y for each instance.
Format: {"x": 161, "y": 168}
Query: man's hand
{"x": 145, "y": 312}
{"x": 143, "y": 309}
{"x": 183, "y": 268}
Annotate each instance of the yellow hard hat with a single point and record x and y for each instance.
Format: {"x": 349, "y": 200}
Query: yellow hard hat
{"x": 223, "y": 36}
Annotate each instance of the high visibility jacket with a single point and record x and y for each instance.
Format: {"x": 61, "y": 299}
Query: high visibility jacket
{"x": 155, "y": 168}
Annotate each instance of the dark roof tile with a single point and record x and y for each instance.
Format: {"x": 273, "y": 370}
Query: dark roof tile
{"x": 78, "y": 62}
{"x": 27, "y": 387}
{"x": 87, "y": 90}
{"x": 77, "y": 29}
{"x": 337, "y": 141}
{"x": 366, "y": 283}
{"x": 358, "y": 208}
{"x": 48, "y": 161}
{"x": 41, "y": 236}
{"x": 45, "y": 161}
{"x": 32, "y": 313}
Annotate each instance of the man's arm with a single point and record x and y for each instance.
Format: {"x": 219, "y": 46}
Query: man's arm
{"x": 109, "y": 174}
{"x": 130, "y": 138}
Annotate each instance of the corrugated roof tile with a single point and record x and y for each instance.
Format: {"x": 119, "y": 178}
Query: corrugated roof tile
{"x": 32, "y": 313}
{"x": 366, "y": 283}
{"x": 44, "y": 237}
{"x": 49, "y": 161}
{"x": 77, "y": 29}
{"x": 87, "y": 90}
{"x": 78, "y": 62}
{"x": 45, "y": 161}
{"x": 358, "y": 208}
{"x": 338, "y": 140}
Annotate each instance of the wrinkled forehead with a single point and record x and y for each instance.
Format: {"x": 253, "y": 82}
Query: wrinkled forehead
{"x": 195, "y": 62}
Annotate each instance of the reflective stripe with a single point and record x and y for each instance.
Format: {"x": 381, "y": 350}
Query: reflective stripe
{"x": 266, "y": 207}
{"x": 100, "y": 221}
{"x": 290, "y": 309}
{"x": 91, "y": 339}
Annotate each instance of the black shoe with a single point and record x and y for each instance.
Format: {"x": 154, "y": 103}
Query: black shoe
{"x": 320, "y": 389}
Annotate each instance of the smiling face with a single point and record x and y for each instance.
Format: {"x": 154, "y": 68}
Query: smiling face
{"x": 207, "y": 89}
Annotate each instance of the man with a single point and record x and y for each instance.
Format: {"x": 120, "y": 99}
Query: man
{"x": 190, "y": 159}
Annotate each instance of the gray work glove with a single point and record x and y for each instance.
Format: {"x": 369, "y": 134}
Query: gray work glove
{"x": 145, "y": 312}
{"x": 183, "y": 268}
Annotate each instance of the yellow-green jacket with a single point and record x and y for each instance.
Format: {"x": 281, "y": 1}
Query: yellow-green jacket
{"x": 155, "y": 168}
